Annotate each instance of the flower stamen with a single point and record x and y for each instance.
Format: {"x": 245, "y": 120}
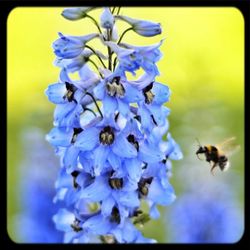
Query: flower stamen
{"x": 107, "y": 136}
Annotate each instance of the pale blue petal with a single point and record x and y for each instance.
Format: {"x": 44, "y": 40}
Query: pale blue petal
{"x": 160, "y": 195}
{"x": 70, "y": 158}
{"x": 56, "y": 93}
{"x": 98, "y": 225}
{"x": 132, "y": 94}
{"x": 100, "y": 157}
{"x": 61, "y": 111}
{"x": 159, "y": 113}
{"x": 107, "y": 206}
{"x": 114, "y": 161}
{"x": 107, "y": 20}
{"x": 134, "y": 169}
{"x": 127, "y": 199}
{"x": 60, "y": 137}
{"x": 146, "y": 119}
{"x": 161, "y": 92}
{"x": 109, "y": 104}
{"x": 97, "y": 191}
{"x": 123, "y": 148}
{"x": 70, "y": 236}
{"x": 154, "y": 213}
{"x": 123, "y": 107}
{"x": 87, "y": 139}
{"x": 129, "y": 232}
{"x": 150, "y": 154}
{"x": 64, "y": 179}
{"x": 87, "y": 164}
{"x": 100, "y": 90}
{"x": 63, "y": 219}
{"x": 173, "y": 150}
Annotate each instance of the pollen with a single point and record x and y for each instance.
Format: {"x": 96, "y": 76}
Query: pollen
{"x": 148, "y": 94}
{"x": 116, "y": 183}
{"x": 107, "y": 136}
{"x": 115, "y": 88}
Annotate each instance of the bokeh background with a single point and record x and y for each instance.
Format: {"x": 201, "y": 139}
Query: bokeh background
{"x": 202, "y": 63}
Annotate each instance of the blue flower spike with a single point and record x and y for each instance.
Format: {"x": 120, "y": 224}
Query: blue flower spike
{"x": 108, "y": 132}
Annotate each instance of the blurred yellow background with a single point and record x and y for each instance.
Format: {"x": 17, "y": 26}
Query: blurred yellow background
{"x": 202, "y": 63}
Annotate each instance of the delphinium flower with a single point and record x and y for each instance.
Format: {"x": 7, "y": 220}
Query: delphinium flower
{"x": 38, "y": 172}
{"x": 109, "y": 131}
{"x": 207, "y": 215}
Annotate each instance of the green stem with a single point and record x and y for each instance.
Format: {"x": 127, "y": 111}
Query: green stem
{"x": 113, "y": 10}
{"x": 89, "y": 60}
{"x": 100, "y": 59}
{"x": 95, "y": 22}
{"x": 124, "y": 32}
{"x": 118, "y": 10}
{"x": 92, "y": 111}
{"x": 114, "y": 65}
{"x": 109, "y": 33}
{"x": 94, "y": 100}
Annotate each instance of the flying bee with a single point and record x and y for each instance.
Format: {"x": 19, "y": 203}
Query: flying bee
{"x": 218, "y": 154}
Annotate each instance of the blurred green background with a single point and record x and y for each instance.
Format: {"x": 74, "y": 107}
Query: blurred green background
{"x": 202, "y": 63}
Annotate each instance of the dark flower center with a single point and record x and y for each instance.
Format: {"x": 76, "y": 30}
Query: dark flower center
{"x": 115, "y": 215}
{"x": 70, "y": 92}
{"x": 115, "y": 88}
{"x": 116, "y": 183}
{"x": 75, "y": 225}
{"x": 107, "y": 136}
{"x": 148, "y": 94}
{"x": 74, "y": 175}
{"x": 143, "y": 185}
{"x": 76, "y": 132}
{"x": 132, "y": 140}
{"x": 108, "y": 239}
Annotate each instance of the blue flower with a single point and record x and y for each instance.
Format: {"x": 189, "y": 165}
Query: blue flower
{"x": 127, "y": 58}
{"x": 151, "y": 110}
{"x": 33, "y": 224}
{"x": 107, "y": 20}
{"x": 142, "y": 27}
{"x": 104, "y": 139}
{"x": 76, "y": 13}
{"x": 146, "y": 56}
{"x": 210, "y": 219}
{"x": 109, "y": 133}
{"x": 116, "y": 94}
{"x": 71, "y": 46}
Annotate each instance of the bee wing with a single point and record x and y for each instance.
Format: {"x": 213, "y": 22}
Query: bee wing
{"x": 229, "y": 146}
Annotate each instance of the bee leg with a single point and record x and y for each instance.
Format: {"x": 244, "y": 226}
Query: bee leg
{"x": 198, "y": 157}
{"x": 213, "y": 167}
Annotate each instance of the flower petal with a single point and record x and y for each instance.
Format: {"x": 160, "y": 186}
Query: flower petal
{"x": 114, "y": 161}
{"x": 100, "y": 90}
{"x": 56, "y": 93}
{"x": 160, "y": 195}
{"x": 63, "y": 219}
{"x": 70, "y": 158}
{"x": 161, "y": 93}
{"x": 97, "y": 191}
{"x": 109, "y": 104}
{"x": 107, "y": 206}
{"x": 123, "y": 148}
{"x": 87, "y": 139}
{"x": 97, "y": 225}
{"x": 60, "y": 137}
{"x": 134, "y": 170}
{"x": 154, "y": 213}
{"x": 150, "y": 154}
{"x": 100, "y": 157}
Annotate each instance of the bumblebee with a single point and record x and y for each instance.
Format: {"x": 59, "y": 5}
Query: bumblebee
{"x": 217, "y": 155}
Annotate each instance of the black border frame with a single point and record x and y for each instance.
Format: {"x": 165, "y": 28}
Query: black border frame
{"x": 7, "y": 5}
